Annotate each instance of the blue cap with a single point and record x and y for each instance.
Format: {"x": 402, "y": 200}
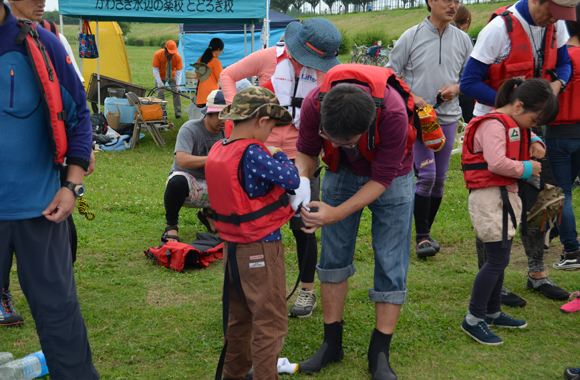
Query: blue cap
{"x": 314, "y": 43}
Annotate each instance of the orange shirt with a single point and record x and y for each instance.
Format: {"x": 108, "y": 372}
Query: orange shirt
{"x": 207, "y": 86}
{"x": 159, "y": 60}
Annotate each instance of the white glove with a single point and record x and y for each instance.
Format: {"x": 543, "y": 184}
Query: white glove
{"x": 160, "y": 84}
{"x": 302, "y": 195}
{"x": 273, "y": 150}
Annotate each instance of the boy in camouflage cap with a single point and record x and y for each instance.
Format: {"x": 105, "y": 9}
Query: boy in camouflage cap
{"x": 247, "y": 184}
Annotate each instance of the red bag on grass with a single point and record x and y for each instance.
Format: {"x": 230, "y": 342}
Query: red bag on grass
{"x": 199, "y": 254}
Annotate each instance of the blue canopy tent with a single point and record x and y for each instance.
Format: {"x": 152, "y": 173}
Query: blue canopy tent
{"x": 195, "y": 38}
{"x": 160, "y": 11}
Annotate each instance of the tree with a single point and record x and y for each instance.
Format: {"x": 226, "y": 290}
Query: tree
{"x": 298, "y": 4}
{"x": 281, "y": 5}
{"x": 313, "y": 3}
{"x": 330, "y": 3}
{"x": 125, "y": 27}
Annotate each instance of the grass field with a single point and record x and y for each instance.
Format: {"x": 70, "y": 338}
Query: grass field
{"x": 147, "y": 322}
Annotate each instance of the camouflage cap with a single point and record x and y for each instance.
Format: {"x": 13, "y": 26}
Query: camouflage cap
{"x": 254, "y": 102}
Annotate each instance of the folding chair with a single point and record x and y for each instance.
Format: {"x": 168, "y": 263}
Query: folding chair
{"x": 139, "y": 119}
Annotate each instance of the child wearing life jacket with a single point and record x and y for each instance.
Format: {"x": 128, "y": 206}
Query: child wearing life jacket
{"x": 247, "y": 184}
{"x": 497, "y": 151}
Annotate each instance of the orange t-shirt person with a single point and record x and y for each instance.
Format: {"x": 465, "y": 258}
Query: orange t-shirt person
{"x": 209, "y": 57}
{"x": 168, "y": 67}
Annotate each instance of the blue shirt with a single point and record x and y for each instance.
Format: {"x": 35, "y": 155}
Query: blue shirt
{"x": 261, "y": 172}
{"x": 28, "y": 179}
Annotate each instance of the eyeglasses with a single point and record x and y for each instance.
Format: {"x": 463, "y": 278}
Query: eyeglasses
{"x": 455, "y": 2}
{"x": 346, "y": 146}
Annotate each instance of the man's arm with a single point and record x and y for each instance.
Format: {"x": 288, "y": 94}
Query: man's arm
{"x": 563, "y": 69}
{"x": 328, "y": 215}
{"x": 158, "y": 79}
{"x": 189, "y": 161}
{"x": 64, "y": 201}
{"x": 472, "y": 82}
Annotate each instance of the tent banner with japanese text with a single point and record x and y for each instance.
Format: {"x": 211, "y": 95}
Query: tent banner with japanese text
{"x": 171, "y": 11}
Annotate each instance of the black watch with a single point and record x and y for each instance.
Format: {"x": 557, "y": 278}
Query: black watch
{"x": 78, "y": 190}
{"x": 563, "y": 85}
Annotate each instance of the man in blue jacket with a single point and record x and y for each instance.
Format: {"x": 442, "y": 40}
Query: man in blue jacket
{"x": 33, "y": 205}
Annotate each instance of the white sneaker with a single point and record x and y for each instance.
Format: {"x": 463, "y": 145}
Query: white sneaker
{"x": 304, "y": 305}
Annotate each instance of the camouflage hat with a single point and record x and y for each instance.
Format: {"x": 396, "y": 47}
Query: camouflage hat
{"x": 254, "y": 102}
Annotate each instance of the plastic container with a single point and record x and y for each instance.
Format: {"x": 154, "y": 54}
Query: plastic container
{"x": 190, "y": 79}
{"x": 116, "y": 92}
{"x": 6, "y": 357}
{"x": 29, "y": 367}
{"x": 127, "y": 111}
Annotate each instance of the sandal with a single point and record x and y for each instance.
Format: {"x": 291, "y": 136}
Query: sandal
{"x": 202, "y": 216}
{"x": 165, "y": 236}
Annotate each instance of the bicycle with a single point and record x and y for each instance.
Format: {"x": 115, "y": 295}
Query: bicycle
{"x": 357, "y": 53}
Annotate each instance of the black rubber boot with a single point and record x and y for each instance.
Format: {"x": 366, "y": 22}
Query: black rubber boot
{"x": 424, "y": 246}
{"x": 433, "y": 209}
{"x": 249, "y": 376}
{"x": 330, "y": 351}
{"x": 379, "y": 356}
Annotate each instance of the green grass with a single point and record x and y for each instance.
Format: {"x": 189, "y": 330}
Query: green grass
{"x": 148, "y": 322}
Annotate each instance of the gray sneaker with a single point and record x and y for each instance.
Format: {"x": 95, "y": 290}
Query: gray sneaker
{"x": 304, "y": 305}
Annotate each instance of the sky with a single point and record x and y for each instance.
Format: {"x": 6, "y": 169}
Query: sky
{"x": 51, "y": 5}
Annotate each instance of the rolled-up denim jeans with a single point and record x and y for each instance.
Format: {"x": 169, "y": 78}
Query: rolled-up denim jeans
{"x": 392, "y": 215}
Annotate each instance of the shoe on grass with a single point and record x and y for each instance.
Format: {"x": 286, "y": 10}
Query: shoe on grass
{"x": 435, "y": 244}
{"x": 511, "y": 299}
{"x": 568, "y": 261}
{"x": 304, "y": 305}
{"x": 8, "y": 316}
{"x": 505, "y": 320}
{"x": 572, "y": 373}
{"x": 572, "y": 306}
{"x": 547, "y": 288}
{"x": 425, "y": 249}
{"x": 481, "y": 333}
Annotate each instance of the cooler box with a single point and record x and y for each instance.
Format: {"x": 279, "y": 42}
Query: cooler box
{"x": 127, "y": 111}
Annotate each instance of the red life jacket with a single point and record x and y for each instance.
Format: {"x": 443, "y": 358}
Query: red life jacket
{"x": 521, "y": 62}
{"x": 475, "y": 172}
{"x": 239, "y": 219}
{"x": 175, "y": 255}
{"x": 570, "y": 112}
{"x": 377, "y": 79}
{"x": 50, "y": 25}
{"x": 49, "y": 88}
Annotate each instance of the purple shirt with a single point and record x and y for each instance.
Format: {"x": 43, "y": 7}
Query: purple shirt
{"x": 390, "y": 161}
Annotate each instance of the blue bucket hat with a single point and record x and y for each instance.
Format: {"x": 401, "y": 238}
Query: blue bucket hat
{"x": 314, "y": 43}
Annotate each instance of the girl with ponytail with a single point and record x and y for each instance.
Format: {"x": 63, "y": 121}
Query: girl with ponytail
{"x": 498, "y": 150}
{"x": 210, "y": 58}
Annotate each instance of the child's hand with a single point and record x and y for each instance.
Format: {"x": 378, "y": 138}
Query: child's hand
{"x": 537, "y": 168}
{"x": 537, "y": 150}
{"x": 273, "y": 149}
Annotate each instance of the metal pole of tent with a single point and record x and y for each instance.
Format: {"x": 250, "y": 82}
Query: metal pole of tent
{"x": 252, "y": 29}
{"x": 267, "y": 24}
{"x": 61, "y": 26}
{"x": 245, "y": 41}
{"x": 98, "y": 72}
{"x": 80, "y": 31}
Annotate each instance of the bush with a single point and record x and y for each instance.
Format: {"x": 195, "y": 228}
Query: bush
{"x": 369, "y": 38}
{"x": 139, "y": 42}
{"x": 132, "y": 41}
{"x": 345, "y": 44}
{"x": 475, "y": 31}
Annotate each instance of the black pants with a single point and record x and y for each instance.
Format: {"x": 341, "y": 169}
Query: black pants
{"x": 46, "y": 277}
{"x": 176, "y": 192}
{"x": 486, "y": 293}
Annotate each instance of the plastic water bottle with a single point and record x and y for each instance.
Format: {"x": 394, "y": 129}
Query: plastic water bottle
{"x": 6, "y": 357}
{"x": 29, "y": 367}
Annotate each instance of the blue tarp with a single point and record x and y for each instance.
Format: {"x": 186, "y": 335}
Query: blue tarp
{"x": 192, "y": 46}
{"x": 166, "y": 11}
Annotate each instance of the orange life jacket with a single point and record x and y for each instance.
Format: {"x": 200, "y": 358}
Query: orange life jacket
{"x": 239, "y": 218}
{"x": 570, "y": 112}
{"x": 475, "y": 172}
{"x": 521, "y": 62}
{"x": 376, "y": 78}
{"x": 50, "y": 25}
{"x": 49, "y": 88}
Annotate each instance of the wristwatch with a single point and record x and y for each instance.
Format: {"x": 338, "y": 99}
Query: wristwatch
{"x": 78, "y": 190}
{"x": 563, "y": 85}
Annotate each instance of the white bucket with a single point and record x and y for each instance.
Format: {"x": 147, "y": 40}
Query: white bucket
{"x": 190, "y": 79}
